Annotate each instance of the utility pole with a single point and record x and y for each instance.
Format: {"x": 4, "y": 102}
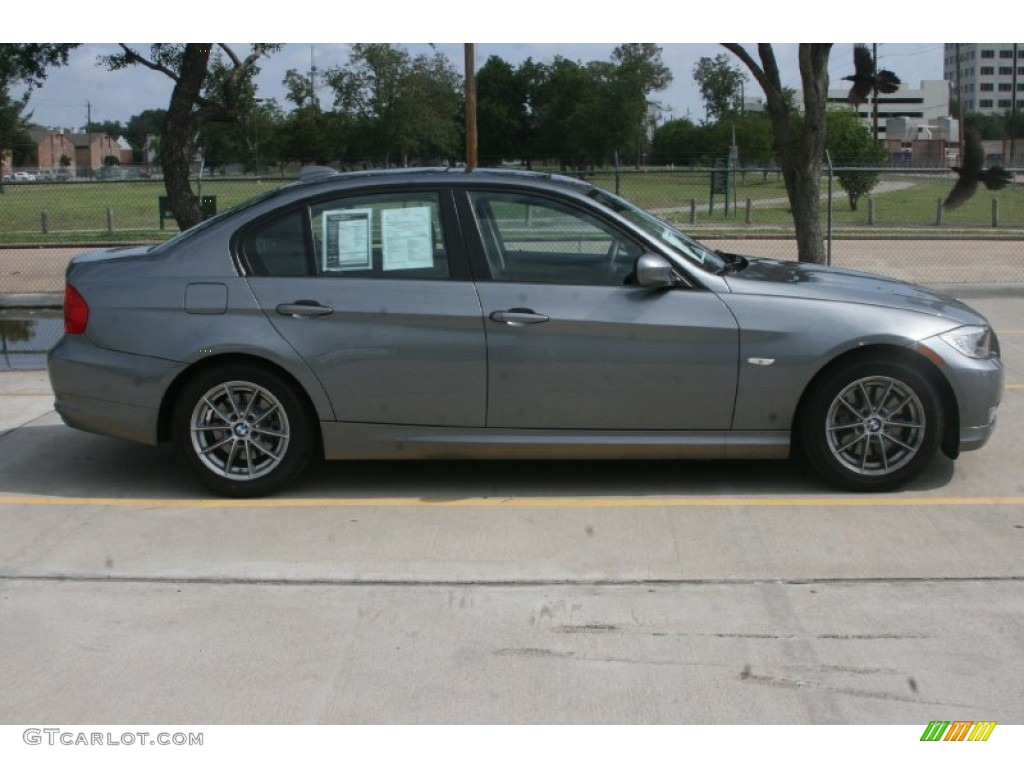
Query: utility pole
{"x": 471, "y": 137}
{"x": 312, "y": 80}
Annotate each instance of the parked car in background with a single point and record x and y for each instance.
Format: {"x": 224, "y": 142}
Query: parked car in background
{"x": 505, "y": 314}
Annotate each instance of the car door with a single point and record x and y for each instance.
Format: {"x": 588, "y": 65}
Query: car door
{"x": 372, "y": 291}
{"x": 572, "y": 345}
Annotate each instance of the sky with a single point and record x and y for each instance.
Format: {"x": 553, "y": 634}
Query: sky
{"x": 83, "y": 87}
{"x": 539, "y": 29}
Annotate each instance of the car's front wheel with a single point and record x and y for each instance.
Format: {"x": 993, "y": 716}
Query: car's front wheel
{"x": 244, "y": 430}
{"x": 871, "y": 426}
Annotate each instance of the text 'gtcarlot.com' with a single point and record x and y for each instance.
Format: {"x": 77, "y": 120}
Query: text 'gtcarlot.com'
{"x": 54, "y": 736}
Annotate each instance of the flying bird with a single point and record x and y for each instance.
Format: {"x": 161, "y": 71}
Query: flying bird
{"x": 971, "y": 173}
{"x": 865, "y": 79}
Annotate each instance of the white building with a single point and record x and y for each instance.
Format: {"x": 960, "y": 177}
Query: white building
{"x": 925, "y": 106}
{"x": 990, "y": 74}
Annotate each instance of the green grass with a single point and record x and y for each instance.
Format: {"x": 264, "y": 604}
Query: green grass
{"x": 910, "y": 208}
{"x": 79, "y": 211}
{"x": 76, "y": 213}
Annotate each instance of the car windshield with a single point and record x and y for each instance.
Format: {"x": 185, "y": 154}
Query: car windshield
{"x": 662, "y": 231}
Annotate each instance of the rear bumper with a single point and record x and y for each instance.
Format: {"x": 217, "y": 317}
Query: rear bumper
{"x": 109, "y": 393}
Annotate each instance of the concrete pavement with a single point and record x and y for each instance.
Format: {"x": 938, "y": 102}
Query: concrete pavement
{"x": 516, "y": 592}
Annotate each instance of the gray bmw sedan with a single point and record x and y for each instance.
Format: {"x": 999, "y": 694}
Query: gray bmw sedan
{"x": 495, "y": 314}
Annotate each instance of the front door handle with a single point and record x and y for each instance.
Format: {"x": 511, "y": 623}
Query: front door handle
{"x": 518, "y": 316}
{"x": 303, "y": 308}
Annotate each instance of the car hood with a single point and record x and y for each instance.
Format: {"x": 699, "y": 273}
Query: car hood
{"x": 816, "y": 281}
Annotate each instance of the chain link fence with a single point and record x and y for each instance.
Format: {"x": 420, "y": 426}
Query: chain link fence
{"x": 898, "y": 228}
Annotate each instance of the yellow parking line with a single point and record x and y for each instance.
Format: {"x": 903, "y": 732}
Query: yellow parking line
{"x": 530, "y": 501}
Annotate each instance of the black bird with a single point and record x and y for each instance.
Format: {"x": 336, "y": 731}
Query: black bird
{"x": 971, "y": 173}
{"x": 865, "y": 79}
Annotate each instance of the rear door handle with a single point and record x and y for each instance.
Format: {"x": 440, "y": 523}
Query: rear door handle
{"x": 303, "y": 308}
{"x": 518, "y": 316}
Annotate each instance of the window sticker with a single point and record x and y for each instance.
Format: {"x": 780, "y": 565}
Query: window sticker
{"x": 346, "y": 239}
{"x": 407, "y": 238}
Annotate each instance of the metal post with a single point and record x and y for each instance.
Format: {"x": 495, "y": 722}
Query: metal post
{"x": 995, "y": 211}
{"x": 828, "y": 252}
{"x": 110, "y": 219}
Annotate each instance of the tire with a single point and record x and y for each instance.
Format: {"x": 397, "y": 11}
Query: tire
{"x": 245, "y": 430}
{"x": 871, "y": 426}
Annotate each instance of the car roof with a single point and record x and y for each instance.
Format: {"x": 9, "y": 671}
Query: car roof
{"x": 313, "y": 175}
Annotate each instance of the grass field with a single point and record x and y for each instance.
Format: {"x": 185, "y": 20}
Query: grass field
{"x": 127, "y": 211}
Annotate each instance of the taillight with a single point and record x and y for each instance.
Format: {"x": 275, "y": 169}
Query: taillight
{"x": 76, "y": 311}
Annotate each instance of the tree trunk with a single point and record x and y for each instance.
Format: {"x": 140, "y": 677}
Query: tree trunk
{"x": 180, "y": 132}
{"x": 801, "y": 158}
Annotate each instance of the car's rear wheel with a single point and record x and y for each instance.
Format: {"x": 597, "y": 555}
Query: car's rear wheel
{"x": 871, "y": 426}
{"x": 245, "y": 430}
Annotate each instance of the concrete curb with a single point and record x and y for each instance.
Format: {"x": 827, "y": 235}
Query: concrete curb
{"x": 31, "y": 300}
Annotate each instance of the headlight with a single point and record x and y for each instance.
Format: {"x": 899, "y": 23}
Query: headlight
{"x": 974, "y": 341}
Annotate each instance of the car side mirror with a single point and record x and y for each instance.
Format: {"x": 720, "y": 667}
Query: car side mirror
{"x": 654, "y": 271}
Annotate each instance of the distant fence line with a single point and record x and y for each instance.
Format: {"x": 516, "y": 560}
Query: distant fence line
{"x": 742, "y": 203}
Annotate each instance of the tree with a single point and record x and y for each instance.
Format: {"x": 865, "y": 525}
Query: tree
{"x": 400, "y": 105}
{"x": 140, "y": 127}
{"x": 207, "y": 88}
{"x": 24, "y": 64}
{"x": 112, "y": 128}
{"x": 502, "y": 108}
{"x": 721, "y": 86}
{"x": 850, "y": 145}
{"x": 799, "y": 144}
{"x": 676, "y": 141}
{"x": 640, "y": 72}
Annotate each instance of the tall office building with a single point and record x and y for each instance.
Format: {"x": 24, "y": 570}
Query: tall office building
{"x": 991, "y": 75}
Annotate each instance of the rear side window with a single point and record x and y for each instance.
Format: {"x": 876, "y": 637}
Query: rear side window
{"x": 277, "y": 248}
{"x": 395, "y": 235}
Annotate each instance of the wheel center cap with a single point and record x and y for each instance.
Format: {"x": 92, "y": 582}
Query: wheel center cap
{"x": 241, "y": 430}
{"x": 874, "y": 424}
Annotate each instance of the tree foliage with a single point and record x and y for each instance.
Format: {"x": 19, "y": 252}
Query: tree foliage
{"x": 399, "y": 106}
{"x": 24, "y": 65}
{"x": 721, "y": 86}
{"x": 851, "y": 146}
{"x": 579, "y": 113}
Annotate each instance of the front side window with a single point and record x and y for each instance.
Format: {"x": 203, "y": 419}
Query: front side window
{"x": 532, "y": 239}
{"x": 665, "y": 233}
{"x": 393, "y": 235}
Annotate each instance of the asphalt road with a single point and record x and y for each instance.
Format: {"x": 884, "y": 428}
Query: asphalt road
{"x": 435, "y": 592}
